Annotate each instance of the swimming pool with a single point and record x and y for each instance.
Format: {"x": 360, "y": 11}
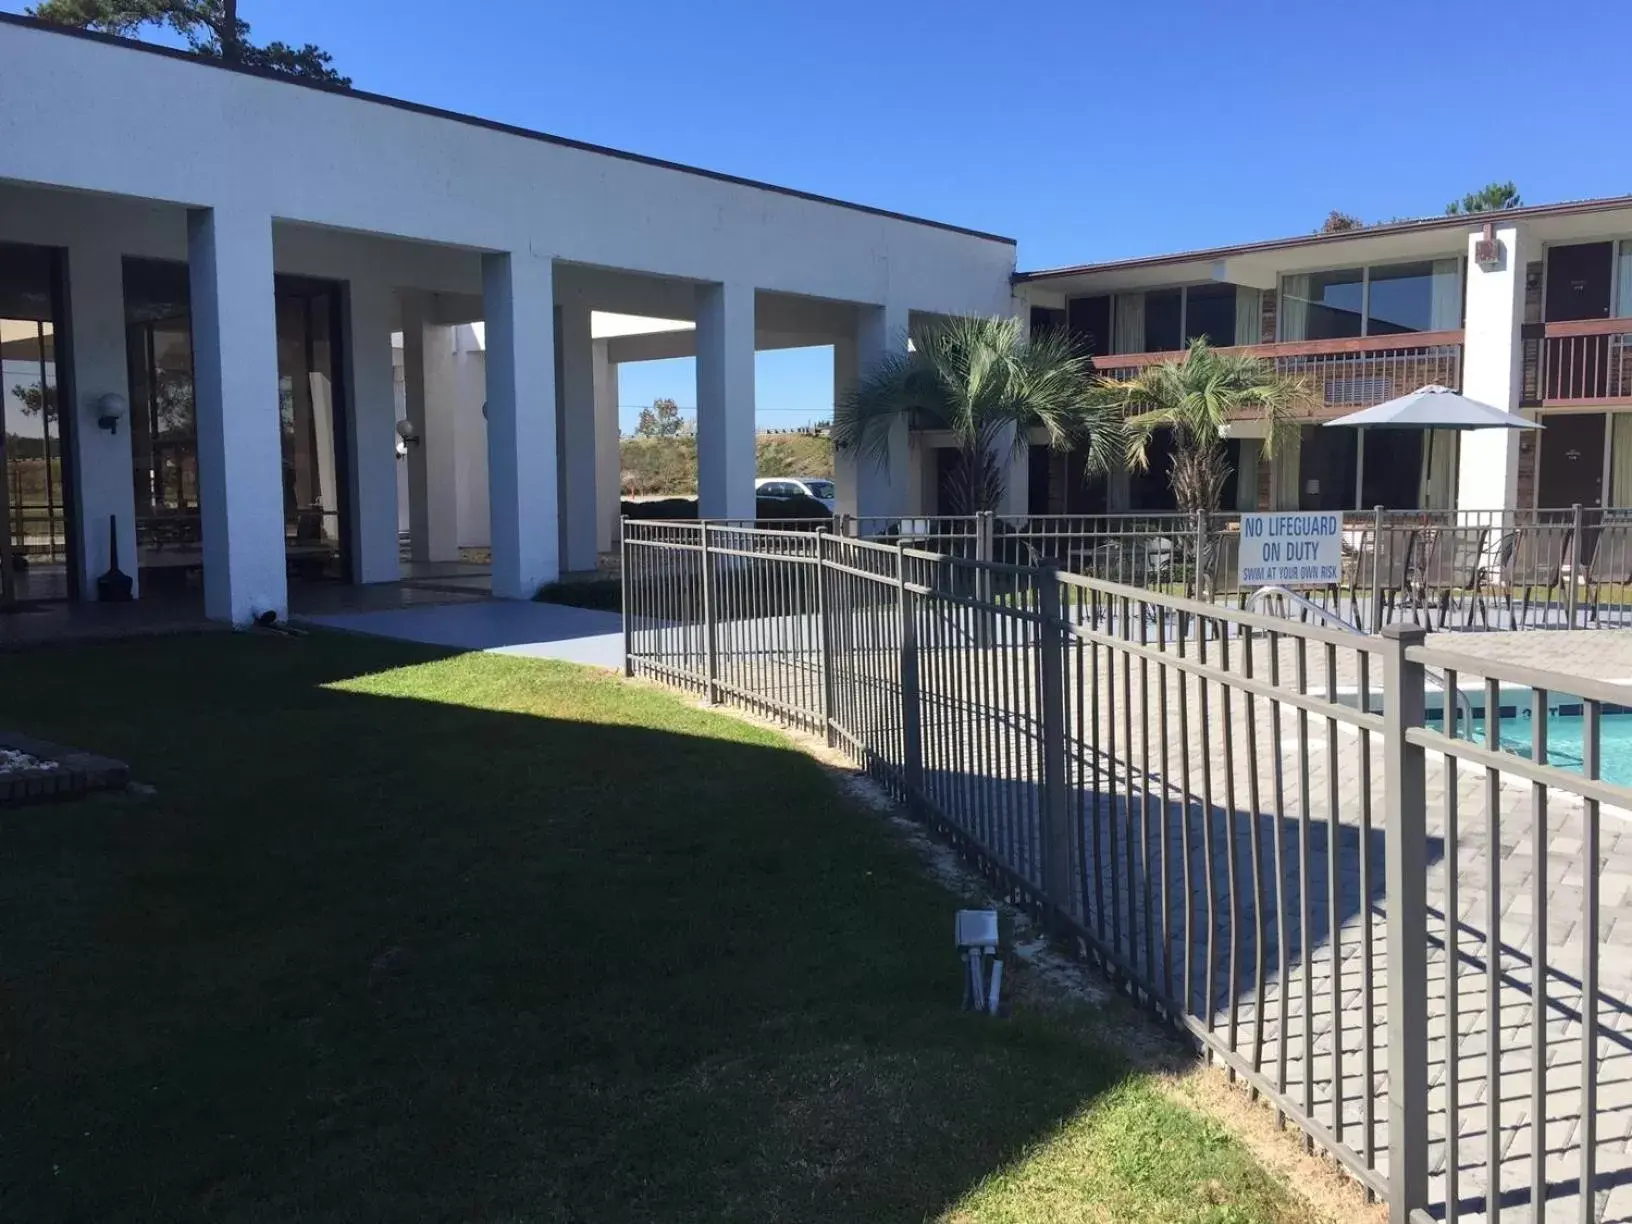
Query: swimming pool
{"x": 1566, "y": 727}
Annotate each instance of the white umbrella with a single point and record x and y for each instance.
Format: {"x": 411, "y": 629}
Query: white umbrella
{"x": 1432, "y": 407}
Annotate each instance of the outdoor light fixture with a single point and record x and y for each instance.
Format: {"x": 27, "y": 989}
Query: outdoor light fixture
{"x": 110, "y": 410}
{"x": 975, "y": 932}
{"x": 408, "y": 432}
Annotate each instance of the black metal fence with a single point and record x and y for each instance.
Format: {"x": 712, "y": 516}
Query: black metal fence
{"x": 1448, "y": 569}
{"x": 1374, "y": 896}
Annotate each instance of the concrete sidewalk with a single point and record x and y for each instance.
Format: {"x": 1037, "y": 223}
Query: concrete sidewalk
{"x": 534, "y": 630}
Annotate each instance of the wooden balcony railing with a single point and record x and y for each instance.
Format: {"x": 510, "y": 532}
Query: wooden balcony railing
{"x": 1342, "y": 374}
{"x": 1582, "y": 362}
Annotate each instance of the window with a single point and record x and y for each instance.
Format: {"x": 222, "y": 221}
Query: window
{"x": 1324, "y": 305}
{"x": 1089, "y": 321}
{"x": 1166, "y": 320}
{"x": 1401, "y": 300}
{"x": 1623, "y": 281}
{"x": 1209, "y": 313}
{"x": 1385, "y": 300}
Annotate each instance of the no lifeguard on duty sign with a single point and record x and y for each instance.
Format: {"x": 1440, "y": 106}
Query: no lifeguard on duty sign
{"x": 1296, "y": 548}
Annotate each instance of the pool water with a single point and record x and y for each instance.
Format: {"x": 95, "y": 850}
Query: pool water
{"x": 1565, "y": 728}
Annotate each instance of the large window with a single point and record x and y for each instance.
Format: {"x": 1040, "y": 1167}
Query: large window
{"x": 34, "y": 476}
{"x": 1165, "y": 320}
{"x": 1210, "y": 314}
{"x": 1384, "y": 300}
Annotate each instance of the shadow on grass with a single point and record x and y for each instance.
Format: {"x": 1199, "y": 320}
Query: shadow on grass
{"x": 413, "y": 935}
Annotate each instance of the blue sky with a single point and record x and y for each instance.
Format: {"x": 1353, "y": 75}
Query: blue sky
{"x": 1086, "y": 131}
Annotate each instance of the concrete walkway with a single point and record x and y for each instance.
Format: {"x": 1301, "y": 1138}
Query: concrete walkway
{"x": 534, "y": 630}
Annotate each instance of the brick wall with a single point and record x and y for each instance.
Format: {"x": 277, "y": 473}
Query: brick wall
{"x": 1266, "y": 316}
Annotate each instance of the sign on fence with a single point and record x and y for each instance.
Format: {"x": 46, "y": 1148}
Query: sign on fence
{"x": 1292, "y": 549}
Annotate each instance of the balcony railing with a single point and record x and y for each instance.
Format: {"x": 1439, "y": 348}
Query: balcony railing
{"x": 1584, "y": 361}
{"x": 1343, "y": 374}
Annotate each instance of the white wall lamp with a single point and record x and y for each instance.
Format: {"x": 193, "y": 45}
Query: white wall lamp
{"x": 408, "y": 432}
{"x": 110, "y": 410}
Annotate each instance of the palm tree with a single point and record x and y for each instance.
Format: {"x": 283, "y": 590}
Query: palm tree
{"x": 1196, "y": 399}
{"x": 985, "y": 382}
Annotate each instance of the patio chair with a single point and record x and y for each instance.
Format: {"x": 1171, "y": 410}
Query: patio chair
{"x": 1531, "y": 559}
{"x": 1453, "y": 559}
{"x": 1386, "y": 565}
{"x": 1610, "y": 563}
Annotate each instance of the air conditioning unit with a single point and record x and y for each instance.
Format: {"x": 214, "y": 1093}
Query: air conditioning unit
{"x": 1487, "y": 252}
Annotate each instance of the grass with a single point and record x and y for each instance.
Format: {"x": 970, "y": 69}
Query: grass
{"x": 472, "y": 938}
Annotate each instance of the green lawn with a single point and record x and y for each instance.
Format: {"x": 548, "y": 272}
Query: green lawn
{"x": 406, "y": 937}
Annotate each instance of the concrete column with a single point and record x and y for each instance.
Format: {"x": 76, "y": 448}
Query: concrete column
{"x": 608, "y": 456}
{"x": 371, "y": 432}
{"x": 575, "y": 424}
{"x": 726, "y": 461}
{"x": 1492, "y": 360}
{"x": 103, "y": 482}
{"x": 1015, "y": 504}
{"x": 468, "y": 393}
{"x": 519, "y": 303}
{"x": 884, "y": 484}
{"x": 846, "y": 481}
{"x": 235, "y": 388}
{"x": 427, "y": 382}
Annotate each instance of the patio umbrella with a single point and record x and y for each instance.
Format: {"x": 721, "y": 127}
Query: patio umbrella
{"x": 1430, "y": 408}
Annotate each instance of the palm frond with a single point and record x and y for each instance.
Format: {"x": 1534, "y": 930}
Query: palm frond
{"x": 1195, "y": 399}
{"x": 987, "y": 383}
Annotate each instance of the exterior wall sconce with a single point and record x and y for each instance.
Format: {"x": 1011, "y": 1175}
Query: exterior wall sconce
{"x": 408, "y": 432}
{"x": 110, "y": 410}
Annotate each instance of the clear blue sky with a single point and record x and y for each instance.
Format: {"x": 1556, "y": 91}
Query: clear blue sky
{"x": 1085, "y": 130}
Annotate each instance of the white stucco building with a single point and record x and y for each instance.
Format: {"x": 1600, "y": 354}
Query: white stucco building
{"x": 231, "y": 254}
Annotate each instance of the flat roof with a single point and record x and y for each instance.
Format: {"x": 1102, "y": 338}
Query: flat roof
{"x": 1449, "y": 221}
{"x": 494, "y": 125}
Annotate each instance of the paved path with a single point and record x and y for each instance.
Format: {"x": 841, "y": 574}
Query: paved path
{"x": 511, "y": 627}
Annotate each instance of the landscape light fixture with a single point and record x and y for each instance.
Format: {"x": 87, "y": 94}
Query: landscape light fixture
{"x": 975, "y": 932}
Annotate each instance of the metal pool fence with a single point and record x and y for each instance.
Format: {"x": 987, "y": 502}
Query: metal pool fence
{"x": 1402, "y": 927}
{"x": 1444, "y": 569}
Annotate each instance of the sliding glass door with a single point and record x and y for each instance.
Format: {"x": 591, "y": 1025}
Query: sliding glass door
{"x": 35, "y": 510}
{"x": 164, "y": 438}
{"x": 313, "y": 442}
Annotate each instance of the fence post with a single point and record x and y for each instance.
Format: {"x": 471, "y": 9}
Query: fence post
{"x": 1572, "y": 596}
{"x": 711, "y": 649}
{"x": 983, "y": 535}
{"x": 1059, "y": 866}
{"x": 1405, "y": 881}
{"x": 824, "y": 638}
{"x": 1201, "y": 553}
{"x": 1376, "y": 569}
{"x": 912, "y": 744}
{"x": 625, "y": 604}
